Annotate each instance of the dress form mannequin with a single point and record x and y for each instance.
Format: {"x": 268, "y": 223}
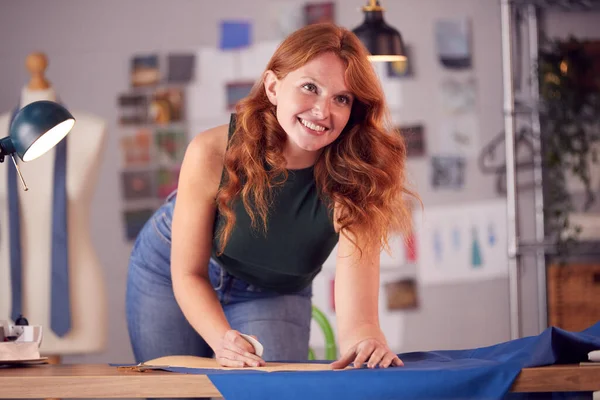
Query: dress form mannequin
{"x": 87, "y": 290}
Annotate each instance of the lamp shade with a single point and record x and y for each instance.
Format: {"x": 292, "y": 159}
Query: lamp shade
{"x": 383, "y": 41}
{"x": 37, "y": 128}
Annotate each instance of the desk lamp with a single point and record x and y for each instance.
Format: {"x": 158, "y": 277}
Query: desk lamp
{"x": 36, "y": 128}
{"x": 383, "y": 41}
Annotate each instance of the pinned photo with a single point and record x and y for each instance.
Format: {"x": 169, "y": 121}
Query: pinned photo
{"x": 166, "y": 106}
{"x": 137, "y": 185}
{"x": 235, "y": 35}
{"x": 145, "y": 70}
{"x": 401, "y": 294}
{"x": 316, "y": 13}
{"x": 136, "y": 148}
{"x": 166, "y": 181}
{"x": 453, "y": 42}
{"x": 236, "y": 91}
{"x": 170, "y": 146}
{"x": 133, "y": 109}
{"x": 414, "y": 139}
{"x": 181, "y": 68}
{"x": 448, "y": 172}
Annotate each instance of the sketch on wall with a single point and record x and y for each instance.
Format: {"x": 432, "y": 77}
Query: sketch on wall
{"x": 453, "y": 42}
{"x": 285, "y": 17}
{"x": 461, "y": 243}
{"x": 448, "y": 172}
{"x": 459, "y": 129}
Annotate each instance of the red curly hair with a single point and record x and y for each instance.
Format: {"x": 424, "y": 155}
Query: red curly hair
{"x": 362, "y": 171}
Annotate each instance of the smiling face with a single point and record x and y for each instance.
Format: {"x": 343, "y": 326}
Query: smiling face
{"x": 313, "y": 106}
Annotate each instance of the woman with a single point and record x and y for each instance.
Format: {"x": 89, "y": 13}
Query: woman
{"x": 308, "y": 160}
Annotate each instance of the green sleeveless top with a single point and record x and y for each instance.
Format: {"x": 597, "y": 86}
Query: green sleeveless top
{"x": 300, "y": 236}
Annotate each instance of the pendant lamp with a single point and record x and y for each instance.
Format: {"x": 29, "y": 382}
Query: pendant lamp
{"x": 383, "y": 41}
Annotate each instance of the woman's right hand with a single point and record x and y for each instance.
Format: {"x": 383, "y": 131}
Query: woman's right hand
{"x": 235, "y": 351}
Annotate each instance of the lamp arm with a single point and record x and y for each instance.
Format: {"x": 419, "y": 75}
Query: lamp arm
{"x": 6, "y": 148}
{"x": 25, "y": 188}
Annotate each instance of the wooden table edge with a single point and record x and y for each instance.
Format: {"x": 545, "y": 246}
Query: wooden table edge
{"x": 104, "y": 381}
{"x": 558, "y": 378}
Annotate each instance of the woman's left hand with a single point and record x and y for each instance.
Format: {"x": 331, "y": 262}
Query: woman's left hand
{"x": 371, "y": 351}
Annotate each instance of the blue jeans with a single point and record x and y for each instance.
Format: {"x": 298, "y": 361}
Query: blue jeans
{"x": 157, "y": 327}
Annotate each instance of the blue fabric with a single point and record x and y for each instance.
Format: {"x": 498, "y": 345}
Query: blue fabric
{"x": 480, "y": 373}
{"x": 60, "y": 309}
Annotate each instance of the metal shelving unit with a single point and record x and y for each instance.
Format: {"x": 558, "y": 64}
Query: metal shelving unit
{"x": 527, "y": 12}
{"x": 561, "y": 5}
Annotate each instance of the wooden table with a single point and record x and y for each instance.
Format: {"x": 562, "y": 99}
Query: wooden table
{"x": 104, "y": 381}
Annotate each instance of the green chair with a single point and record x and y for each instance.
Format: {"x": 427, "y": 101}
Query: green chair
{"x": 330, "y": 347}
